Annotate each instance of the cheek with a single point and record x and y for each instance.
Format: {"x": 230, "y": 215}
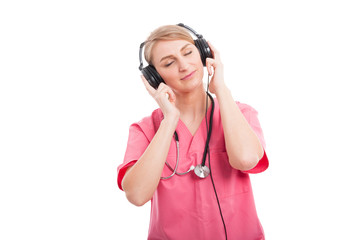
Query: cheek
{"x": 197, "y": 58}
{"x": 201, "y": 71}
{"x": 168, "y": 76}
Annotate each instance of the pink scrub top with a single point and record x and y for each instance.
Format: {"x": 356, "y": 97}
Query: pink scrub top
{"x": 185, "y": 207}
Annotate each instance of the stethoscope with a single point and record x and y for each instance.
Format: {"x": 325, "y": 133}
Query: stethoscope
{"x": 201, "y": 170}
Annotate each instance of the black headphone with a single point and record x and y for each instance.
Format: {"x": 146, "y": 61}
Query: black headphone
{"x": 151, "y": 74}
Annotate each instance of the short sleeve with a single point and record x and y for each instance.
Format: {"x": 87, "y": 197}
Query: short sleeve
{"x": 137, "y": 144}
{"x": 140, "y": 135}
{"x": 251, "y": 116}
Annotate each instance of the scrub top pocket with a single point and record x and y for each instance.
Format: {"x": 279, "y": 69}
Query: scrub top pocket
{"x": 228, "y": 181}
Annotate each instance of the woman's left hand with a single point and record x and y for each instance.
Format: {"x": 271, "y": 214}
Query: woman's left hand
{"x": 217, "y": 82}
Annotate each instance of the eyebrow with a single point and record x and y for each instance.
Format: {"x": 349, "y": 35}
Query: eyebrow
{"x": 169, "y": 56}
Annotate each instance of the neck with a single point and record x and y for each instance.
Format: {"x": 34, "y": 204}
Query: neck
{"x": 192, "y": 105}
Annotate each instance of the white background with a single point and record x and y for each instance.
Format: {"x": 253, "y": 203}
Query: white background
{"x": 70, "y": 88}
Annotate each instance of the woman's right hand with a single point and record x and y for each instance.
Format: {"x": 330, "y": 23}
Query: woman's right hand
{"x": 141, "y": 180}
{"x": 165, "y": 98}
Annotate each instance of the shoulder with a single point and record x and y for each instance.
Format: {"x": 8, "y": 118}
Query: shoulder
{"x": 149, "y": 124}
{"x": 245, "y": 107}
{"x": 151, "y": 119}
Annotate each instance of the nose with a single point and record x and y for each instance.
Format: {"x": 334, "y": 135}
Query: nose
{"x": 183, "y": 64}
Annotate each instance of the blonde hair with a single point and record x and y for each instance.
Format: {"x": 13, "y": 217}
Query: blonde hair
{"x": 167, "y": 32}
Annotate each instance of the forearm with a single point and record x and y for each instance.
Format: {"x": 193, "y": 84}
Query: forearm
{"x": 242, "y": 144}
{"x": 141, "y": 180}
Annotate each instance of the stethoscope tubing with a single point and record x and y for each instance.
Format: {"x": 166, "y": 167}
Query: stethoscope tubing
{"x": 202, "y": 170}
{"x": 174, "y": 171}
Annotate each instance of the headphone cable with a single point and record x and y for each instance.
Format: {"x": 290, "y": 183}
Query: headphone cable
{"x": 209, "y": 158}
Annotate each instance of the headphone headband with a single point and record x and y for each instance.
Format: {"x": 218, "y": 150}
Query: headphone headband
{"x": 140, "y": 55}
{"x": 190, "y": 29}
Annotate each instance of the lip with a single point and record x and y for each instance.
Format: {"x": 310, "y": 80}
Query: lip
{"x": 188, "y": 76}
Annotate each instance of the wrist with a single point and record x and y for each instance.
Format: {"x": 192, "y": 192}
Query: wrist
{"x": 171, "y": 120}
{"x": 221, "y": 91}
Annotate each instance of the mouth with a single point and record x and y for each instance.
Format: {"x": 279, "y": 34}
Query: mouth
{"x": 188, "y": 76}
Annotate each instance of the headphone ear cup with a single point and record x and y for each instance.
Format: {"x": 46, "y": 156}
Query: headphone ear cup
{"x": 203, "y": 49}
{"x": 152, "y": 76}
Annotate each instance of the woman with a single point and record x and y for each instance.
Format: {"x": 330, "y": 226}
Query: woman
{"x": 184, "y": 206}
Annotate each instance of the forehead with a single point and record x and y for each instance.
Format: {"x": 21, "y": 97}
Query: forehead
{"x": 164, "y": 48}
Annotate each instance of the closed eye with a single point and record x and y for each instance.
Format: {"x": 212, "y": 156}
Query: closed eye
{"x": 188, "y": 53}
{"x": 168, "y": 64}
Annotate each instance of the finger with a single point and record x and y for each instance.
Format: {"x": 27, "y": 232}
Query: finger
{"x": 171, "y": 95}
{"x": 165, "y": 90}
{"x": 149, "y": 88}
{"x": 210, "y": 63}
{"x": 214, "y": 51}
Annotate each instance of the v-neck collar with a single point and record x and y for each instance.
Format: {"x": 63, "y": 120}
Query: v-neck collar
{"x": 202, "y": 128}
{"x": 185, "y": 136}
{"x": 191, "y": 146}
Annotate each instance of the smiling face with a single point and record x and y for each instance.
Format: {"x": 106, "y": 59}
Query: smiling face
{"x": 179, "y": 64}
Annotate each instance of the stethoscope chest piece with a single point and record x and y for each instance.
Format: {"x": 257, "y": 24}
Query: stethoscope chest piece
{"x": 201, "y": 171}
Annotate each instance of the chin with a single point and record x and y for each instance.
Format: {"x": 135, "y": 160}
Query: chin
{"x": 194, "y": 85}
